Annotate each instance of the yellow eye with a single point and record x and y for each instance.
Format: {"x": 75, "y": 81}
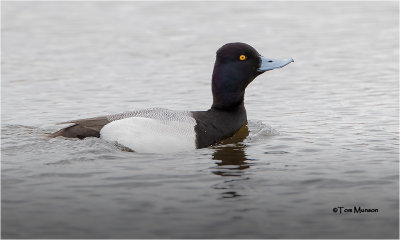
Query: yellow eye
{"x": 242, "y": 57}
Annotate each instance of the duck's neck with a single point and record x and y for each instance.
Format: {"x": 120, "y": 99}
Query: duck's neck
{"x": 234, "y": 108}
{"x": 228, "y": 88}
{"x": 228, "y": 104}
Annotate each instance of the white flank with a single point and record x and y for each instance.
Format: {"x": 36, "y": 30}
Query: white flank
{"x": 148, "y": 135}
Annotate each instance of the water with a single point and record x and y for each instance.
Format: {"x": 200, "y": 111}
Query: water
{"x": 323, "y": 131}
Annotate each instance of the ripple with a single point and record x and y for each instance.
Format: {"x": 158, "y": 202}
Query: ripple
{"x": 276, "y": 152}
{"x": 259, "y": 131}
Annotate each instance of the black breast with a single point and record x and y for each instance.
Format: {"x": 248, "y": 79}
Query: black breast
{"x": 215, "y": 125}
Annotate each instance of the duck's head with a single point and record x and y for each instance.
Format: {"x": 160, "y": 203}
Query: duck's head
{"x": 236, "y": 66}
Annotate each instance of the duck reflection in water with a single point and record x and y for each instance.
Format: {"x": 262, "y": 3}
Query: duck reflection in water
{"x": 231, "y": 161}
{"x": 230, "y": 154}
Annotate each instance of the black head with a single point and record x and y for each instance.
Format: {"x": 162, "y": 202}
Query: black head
{"x": 236, "y": 66}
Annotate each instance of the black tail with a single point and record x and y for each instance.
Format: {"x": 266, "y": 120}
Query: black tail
{"x": 76, "y": 131}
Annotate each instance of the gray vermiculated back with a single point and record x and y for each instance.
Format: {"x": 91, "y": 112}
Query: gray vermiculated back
{"x": 156, "y": 113}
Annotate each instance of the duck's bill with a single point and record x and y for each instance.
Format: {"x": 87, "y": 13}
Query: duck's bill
{"x": 269, "y": 64}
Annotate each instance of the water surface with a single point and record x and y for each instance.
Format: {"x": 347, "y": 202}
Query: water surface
{"x": 322, "y": 132}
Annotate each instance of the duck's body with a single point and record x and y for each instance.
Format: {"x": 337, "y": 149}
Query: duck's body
{"x": 162, "y": 130}
{"x": 153, "y": 130}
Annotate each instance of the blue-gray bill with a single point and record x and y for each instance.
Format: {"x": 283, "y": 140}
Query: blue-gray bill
{"x": 269, "y": 64}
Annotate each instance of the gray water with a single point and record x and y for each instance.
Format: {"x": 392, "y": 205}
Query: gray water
{"x": 323, "y": 131}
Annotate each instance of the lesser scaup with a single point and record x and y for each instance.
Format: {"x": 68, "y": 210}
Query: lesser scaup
{"x": 162, "y": 130}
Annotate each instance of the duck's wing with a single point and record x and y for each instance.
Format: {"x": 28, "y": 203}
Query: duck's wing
{"x": 152, "y": 135}
{"x": 91, "y": 127}
{"x": 152, "y": 131}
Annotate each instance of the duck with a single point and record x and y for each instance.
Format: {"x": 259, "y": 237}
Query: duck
{"x": 159, "y": 130}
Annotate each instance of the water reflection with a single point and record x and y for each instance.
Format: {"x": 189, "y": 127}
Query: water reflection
{"x": 231, "y": 161}
{"x": 231, "y": 156}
